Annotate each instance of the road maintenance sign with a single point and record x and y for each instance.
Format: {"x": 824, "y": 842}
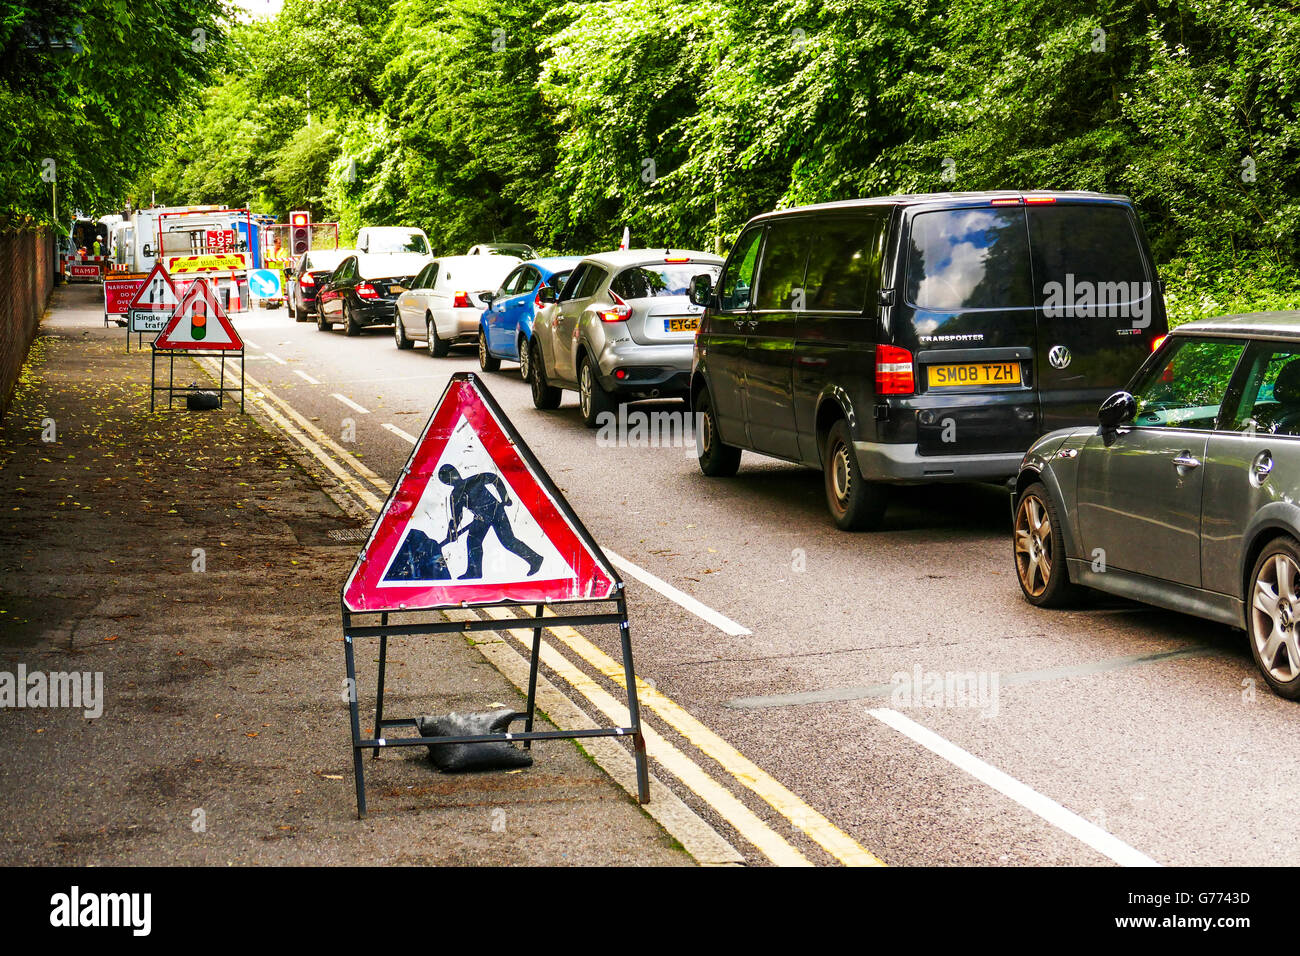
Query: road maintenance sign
{"x": 153, "y": 302}
{"x": 209, "y": 262}
{"x": 474, "y": 519}
{"x": 265, "y": 284}
{"x": 199, "y": 323}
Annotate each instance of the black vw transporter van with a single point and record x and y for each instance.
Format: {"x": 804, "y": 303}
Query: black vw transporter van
{"x": 919, "y": 338}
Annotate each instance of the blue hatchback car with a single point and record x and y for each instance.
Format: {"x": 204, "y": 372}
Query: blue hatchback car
{"x": 506, "y": 328}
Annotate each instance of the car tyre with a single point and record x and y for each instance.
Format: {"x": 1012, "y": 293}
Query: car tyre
{"x": 323, "y": 323}
{"x": 855, "y": 503}
{"x": 486, "y": 360}
{"x": 717, "y": 459}
{"x": 1271, "y": 615}
{"x": 399, "y": 334}
{"x": 545, "y": 396}
{"x": 593, "y": 400}
{"x": 350, "y": 326}
{"x": 525, "y": 352}
{"x": 1039, "y": 552}
{"x": 438, "y": 348}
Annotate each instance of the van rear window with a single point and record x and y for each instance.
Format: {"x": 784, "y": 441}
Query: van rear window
{"x": 969, "y": 259}
{"x": 1087, "y": 255}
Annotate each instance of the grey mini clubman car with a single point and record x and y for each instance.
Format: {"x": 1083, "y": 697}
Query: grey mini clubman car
{"x": 1188, "y": 494}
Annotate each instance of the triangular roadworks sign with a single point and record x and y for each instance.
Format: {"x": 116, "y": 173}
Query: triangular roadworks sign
{"x": 474, "y": 519}
{"x": 199, "y": 322}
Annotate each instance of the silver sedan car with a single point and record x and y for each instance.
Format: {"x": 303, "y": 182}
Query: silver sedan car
{"x": 622, "y": 328}
{"x": 1188, "y": 494}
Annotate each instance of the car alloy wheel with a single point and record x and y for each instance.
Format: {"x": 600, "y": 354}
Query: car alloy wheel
{"x": 486, "y": 360}
{"x": 545, "y": 395}
{"x": 525, "y": 354}
{"x": 1274, "y": 610}
{"x": 1034, "y": 553}
{"x": 584, "y": 390}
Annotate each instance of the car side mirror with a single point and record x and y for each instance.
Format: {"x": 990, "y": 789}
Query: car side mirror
{"x": 701, "y": 290}
{"x": 1116, "y": 410}
{"x": 489, "y": 298}
{"x": 547, "y": 294}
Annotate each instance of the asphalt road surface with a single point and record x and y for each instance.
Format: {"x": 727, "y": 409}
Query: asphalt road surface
{"x": 1115, "y": 733}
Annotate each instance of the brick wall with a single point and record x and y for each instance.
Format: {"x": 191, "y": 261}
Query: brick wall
{"x": 27, "y": 268}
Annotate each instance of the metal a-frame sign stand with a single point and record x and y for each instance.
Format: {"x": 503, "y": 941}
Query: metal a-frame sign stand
{"x": 173, "y": 339}
{"x": 362, "y": 625}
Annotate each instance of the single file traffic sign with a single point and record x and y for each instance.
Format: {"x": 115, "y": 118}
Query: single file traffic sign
{"x": 474, "y": 519}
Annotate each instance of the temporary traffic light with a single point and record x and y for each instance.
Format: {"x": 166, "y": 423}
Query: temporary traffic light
{"x": 299, "y": 232}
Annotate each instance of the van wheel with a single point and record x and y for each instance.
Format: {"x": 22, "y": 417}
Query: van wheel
{"x": 1040, "y": 550}
{"x": 438, "y": 348}
{"x": 1271, "y": 616}
{"x": 486, "y": 360}
{"x": 855, "y": 503}
{"x": 717, "y": 460}
{"x": 593, "y": 400}
{"x": 350, "y": 327}
{"x": 544, "y": 396}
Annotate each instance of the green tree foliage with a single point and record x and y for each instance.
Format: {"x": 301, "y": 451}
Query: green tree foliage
{"x": 561, "y": 124}
{"x": 94, "y": 85}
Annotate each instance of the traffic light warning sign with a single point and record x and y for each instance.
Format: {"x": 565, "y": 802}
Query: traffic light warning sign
{"x": 199, "y": 322}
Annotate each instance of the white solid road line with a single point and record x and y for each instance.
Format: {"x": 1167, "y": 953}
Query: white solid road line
{"x": 405, "y": 436}
{"x": 275, "y": 358}
{"x": 350, "y": 404}
{"x": 702, "y": 611}
{"x": 1094, "y": 836}
{"x": 305, "y": 377}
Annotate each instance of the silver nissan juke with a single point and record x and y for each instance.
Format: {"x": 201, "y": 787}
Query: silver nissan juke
{"x": 1188, "y": 494}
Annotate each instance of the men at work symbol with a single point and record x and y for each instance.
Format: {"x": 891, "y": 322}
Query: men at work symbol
{"x": 486, "y": 497}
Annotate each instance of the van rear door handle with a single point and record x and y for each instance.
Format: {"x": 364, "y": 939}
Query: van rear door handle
{"x": 1185, "y": 460}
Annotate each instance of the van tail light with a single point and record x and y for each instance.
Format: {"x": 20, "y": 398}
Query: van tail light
{"x": 462, "y": 301}
{"x": 1036, "y": 200}
{"x": 619, "y": 312}
{"x": 677, "y": 259}
{"x": 1004, "y": 202}
{"x": 307, "y": 279}
{"x": 366, "y": 291}
{"x": 1158, "y": 341}
{"x": 894, "y": 371}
